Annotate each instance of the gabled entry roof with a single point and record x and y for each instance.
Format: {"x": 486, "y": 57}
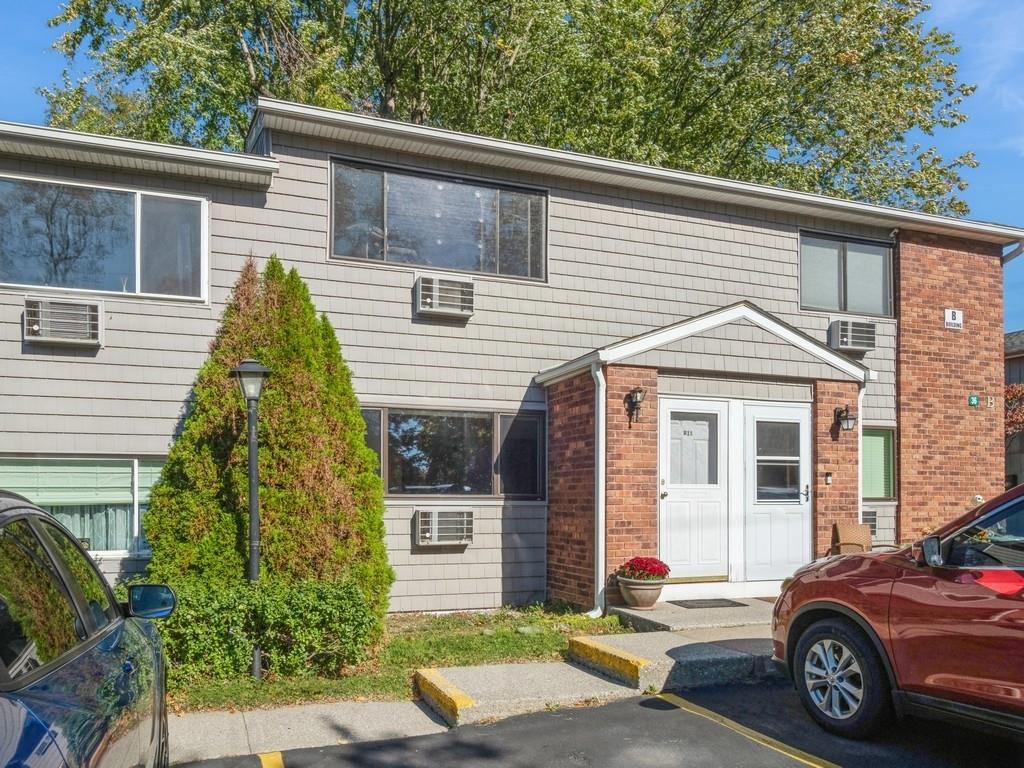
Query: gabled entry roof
{"x": 742, "y": 311}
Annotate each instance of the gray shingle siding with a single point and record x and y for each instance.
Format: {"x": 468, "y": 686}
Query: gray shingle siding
{"x": 619, "y": 264}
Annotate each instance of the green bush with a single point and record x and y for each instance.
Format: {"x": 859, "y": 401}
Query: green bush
{"x": 304, "y": 628}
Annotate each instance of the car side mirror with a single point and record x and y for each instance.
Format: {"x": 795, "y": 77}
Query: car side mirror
{"x": 928, "y": 551}
{"x": 151, "y": 601}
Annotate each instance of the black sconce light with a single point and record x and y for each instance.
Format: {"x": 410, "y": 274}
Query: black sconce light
{"x": 634, "y": 399}
{"x": 844, "y": 419}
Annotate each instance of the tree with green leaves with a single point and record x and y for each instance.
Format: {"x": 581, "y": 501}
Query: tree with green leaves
{"x": 830, "y": 96}
{"x": 321, "y": 499}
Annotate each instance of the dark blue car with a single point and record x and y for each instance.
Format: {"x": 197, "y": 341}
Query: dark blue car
{"x": 81, "y": 676}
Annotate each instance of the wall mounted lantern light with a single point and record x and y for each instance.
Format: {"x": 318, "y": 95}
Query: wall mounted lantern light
{"x": 844, "y": 419}
{"x": 634, "y": 400}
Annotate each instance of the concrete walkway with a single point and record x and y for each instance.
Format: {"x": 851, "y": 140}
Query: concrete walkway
{"x": 207, "y": 735}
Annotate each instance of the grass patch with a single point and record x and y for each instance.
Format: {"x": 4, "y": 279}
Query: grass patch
{"x": 414, "y": 641}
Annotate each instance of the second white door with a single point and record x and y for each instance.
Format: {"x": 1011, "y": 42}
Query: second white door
{"x": 694, "y": 505}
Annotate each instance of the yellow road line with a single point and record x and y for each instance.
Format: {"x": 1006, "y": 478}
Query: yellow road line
{"x": 793, "y": 753}
{"x": 271, "y": 760}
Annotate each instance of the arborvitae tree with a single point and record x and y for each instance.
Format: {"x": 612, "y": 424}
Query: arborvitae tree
{"x": 321, "y": 499}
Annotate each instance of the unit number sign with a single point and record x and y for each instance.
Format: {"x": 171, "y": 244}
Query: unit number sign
{"x": 955, "y": 319}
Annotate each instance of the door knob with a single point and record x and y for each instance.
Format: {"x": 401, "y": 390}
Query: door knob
{"x": 664, "y": 494}
{"x": 807, "y": 492}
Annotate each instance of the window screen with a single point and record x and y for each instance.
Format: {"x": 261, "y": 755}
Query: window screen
{"x": 845, "y": 275}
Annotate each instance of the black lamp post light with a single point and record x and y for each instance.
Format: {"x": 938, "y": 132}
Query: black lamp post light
{"x": 251, "y": 377}
{"x": 634, "y": 401}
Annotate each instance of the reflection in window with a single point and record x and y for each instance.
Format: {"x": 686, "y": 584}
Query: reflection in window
{"x": 521, "y": 456}
{"x": 693, "y": 449}
{"x": 71, "y": 236}
{"x": 38, "y": 622}
{"x": 438, "y": 222}
{"x": 777, "y": 450}
{"x": 373, "y": 436}
{"x": 433, "y": 452}
{"x": 996, "y": 543}
{"x": 845, "y": 275}
{"x": 85, "y": 577}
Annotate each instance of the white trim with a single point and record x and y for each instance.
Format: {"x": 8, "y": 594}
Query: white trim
{"x": 363, "y": 129}
{"x": 600, "y": 452}
{"x": 41, "y": 143}
{"x": 622, "y": 350}
{"x": 860, "y": 454}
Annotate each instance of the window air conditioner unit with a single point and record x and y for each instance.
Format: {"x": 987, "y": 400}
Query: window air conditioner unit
{"x": 444, "y": 527}
{"x": 444, "y": 297}
{"x": 851, "y": 336}
{"x": 60, "y": 321}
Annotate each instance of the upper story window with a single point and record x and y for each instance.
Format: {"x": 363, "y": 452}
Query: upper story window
{"x": 58, "y": 235}
{"x": 844, "y": 275}
{"x": 437, "y": 222}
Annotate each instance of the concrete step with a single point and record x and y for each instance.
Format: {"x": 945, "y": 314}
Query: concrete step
{"x": 660, "y": 661}
{"x": 462, "y": 695}
{"x": 668, "y": 617}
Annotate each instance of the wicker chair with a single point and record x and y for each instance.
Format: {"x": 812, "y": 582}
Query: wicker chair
{"x": 854, "y": 537}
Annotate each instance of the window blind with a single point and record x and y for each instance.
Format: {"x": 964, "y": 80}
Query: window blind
{"x": 879, "y": 470}
{"x": 49, "y": 482}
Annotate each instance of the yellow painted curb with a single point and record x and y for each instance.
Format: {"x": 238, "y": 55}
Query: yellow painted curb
{"x": 612, "y": 661}
{"x": 445, "y": 697}
{"x": 804, "y": 758}
{"x": 271, "y": 760}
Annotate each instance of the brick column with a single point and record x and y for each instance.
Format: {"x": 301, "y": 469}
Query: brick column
{"x": 837, "y": 452}
{"x": 948, "y": 451}
{"x": 570, "y": 539}
{"x": 631, "y": 495}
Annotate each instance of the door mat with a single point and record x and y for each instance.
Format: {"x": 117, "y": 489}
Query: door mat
{"x": 716, "y": 602}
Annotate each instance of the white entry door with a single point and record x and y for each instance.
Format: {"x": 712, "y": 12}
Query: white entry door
{"x": 777, "y": 490}
{"x": 693, "y": 513}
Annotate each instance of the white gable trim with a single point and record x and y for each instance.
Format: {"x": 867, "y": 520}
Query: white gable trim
{"x": 627, "y": 348}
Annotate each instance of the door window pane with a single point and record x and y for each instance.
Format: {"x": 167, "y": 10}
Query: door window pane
{"x": 867, "y": 279}
{"x": 93, "y": 498}
{"x": 521, "y": 456}
{"x": 432, "y": 452}
{"x": 778, "y": 438}
{"x": 66, "y": 236}
{"x": 996, "y": 543}
{"x": 38, "y": 622}
{"x": 358, "y": 212}
{"x": 819, "y": 273}
{"x": 171, "y": 255}
{"x": 879, "y": 464}
{"x": 693, "y": 449}
{"x": 778, "y": 480}
{"x": 87, "y": 580}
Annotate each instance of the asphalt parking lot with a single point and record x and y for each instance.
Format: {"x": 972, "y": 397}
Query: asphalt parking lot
{"x": 755, "y": 726}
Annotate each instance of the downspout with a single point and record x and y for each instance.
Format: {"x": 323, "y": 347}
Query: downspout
{"x": 860, "y": 450}
{"x": 1008, "y": 257}
{"x": 600, "y": 396}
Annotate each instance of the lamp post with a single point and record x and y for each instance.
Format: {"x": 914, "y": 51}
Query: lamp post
{"x": 251, "y": 377}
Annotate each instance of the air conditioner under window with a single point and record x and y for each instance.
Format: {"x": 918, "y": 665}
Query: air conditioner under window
{"x": 444, "y": 527}
{"x": 61, "y": 321}
{"x": 444, "y": 297}
{"x": 852, "y": 336}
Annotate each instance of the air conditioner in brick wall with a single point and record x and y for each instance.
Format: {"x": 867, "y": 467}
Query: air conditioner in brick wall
{"x": 852, "y": 336}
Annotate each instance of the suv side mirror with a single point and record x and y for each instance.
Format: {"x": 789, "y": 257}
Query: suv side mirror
{"x": 151, "y": 601}
{"x": 928, "y": 551}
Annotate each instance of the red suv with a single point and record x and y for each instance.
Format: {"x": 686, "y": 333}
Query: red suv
{"x": 936, "y": 629}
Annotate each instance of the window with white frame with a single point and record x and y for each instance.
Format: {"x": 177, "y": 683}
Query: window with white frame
{"x": 79, "y": 237}
{"x": 879, "y": 467}
{"x": 100, "y": 500}
{"x": 845, "y": 275}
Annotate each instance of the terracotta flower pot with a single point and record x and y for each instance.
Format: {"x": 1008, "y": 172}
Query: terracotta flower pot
{"x": 640, "y": 594}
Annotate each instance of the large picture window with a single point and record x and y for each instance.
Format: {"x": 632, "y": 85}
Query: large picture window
{"x": 451, "y": 453}
{"x": 845, "y": 275}
{"x": 438, "y": 222}
{"x": 101, "y": 501}
{"x": 57, "y": 235}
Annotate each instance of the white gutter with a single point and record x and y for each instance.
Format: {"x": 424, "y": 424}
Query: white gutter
{"x": 600, "y": 396}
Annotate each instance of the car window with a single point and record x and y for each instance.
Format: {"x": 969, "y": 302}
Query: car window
{"x": 94, "y": 592}
{"x": 992, "y": 542}
{"x": 38, "y": 621}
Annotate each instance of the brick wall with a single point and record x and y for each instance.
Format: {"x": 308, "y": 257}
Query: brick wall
{"x": 837, "y": 452}
{"x": 631, "y": 496}
{"x": 948, "y": 452}
{"x": 570, "y": 531}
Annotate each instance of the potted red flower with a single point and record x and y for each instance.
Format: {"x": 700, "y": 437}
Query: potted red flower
{"x": 640, "y": 581}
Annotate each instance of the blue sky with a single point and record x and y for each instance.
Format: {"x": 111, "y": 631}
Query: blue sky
{"x": 988, "y": 32}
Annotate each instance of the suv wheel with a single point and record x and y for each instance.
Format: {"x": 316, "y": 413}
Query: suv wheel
{"x": 840, "y": 679}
